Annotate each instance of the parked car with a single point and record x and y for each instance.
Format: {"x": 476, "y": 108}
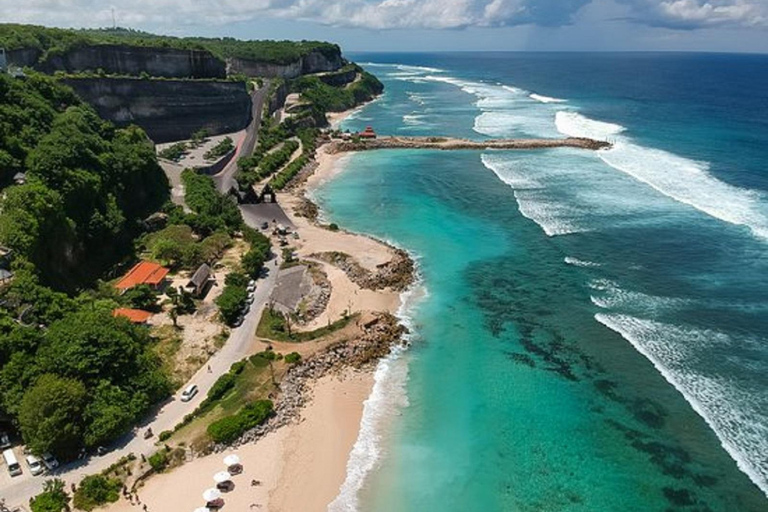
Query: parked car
{"x": 5, "y": 441}
{"x": 14, "y": 468}
{"x": 238, "y": 321}
{"x": 35, "y": 465}
{"x": 50, "y": 462}
{"x": 189, "y": 393}
{"x": 265, "y": 225}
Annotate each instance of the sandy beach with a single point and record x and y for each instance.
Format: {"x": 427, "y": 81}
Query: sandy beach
{"x": 300, "y": 466}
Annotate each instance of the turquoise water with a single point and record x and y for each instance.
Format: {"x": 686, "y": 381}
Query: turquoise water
{"x": 522, "y": 393}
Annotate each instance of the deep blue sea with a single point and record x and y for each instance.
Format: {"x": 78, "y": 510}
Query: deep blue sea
{"x": 590, "y": 331}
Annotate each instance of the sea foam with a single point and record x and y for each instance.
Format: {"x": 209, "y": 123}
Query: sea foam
{"x": 545, "y": 99}
{"x": 388, "y": 397}
{"x": 684, "y": 180}
{"x": 733, "y": 413}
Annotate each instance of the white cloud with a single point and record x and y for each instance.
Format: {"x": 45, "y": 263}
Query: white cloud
{"x": 693, "y": 14}
{"x": 379, "y": 14}
{"x": 372, "y": 14}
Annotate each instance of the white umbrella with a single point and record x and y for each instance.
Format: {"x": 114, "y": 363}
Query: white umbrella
{"x": 202, "y": 509}
{"x": 221, "y": 477}
{"x": 231, "y": 460}
{"x": 211, "y": 495}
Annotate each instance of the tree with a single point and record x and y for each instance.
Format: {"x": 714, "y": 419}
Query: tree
{"x": 141, "y": 297}
{"x": 97, "y": 490}
{"x": 231, "y": 302}
{"x": 253, "y": 263}
{"x": 53, "y": 498}
{"x": 50, "y": 416}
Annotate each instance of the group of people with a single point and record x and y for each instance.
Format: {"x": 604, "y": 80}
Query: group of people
{"x": 133, "y": 497}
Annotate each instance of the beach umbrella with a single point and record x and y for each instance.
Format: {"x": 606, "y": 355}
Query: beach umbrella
{"x": 231, "y": 460}
{"x": 221, "y": 477}
{"x": 202, "y": 509}
{"x": 211, "y": 495}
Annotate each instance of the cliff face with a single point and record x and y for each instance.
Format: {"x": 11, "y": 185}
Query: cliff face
{"x": 314, "y": 62}
{"x": 23, "y": 57}
{"x": 133, "y": 60}
{"x": 168, "y": 110}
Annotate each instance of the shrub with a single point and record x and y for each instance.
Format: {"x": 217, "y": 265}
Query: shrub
{"x": 333, "y": 226}
{"x": 97, "y": 490}
{"x": 165, "y": 435}
{"x": 229, "y": 428}
{"x": 174, "y": 152}
{"x": 220, "y": 149}
{"x": 293, "y": 358}
{"x": 53, "y": 498}
{"x": 159, "y": 460}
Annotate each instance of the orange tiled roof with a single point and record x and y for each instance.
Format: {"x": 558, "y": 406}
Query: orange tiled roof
{"x": 144, "y": 272}
{"x": 136, "y": 316}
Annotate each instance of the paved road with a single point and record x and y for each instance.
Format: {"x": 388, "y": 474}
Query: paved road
{"x": 225, "y": 180}
{"x": 19, "y": 490}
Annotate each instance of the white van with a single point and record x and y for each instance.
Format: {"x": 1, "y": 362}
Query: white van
{"x": 14, "y": 468}
{"x": 189, "y": 393}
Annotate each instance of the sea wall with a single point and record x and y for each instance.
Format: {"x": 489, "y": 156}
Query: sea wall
{"x": 134, "y": 60}
{"x": 314, "y": 62}
{"x": 168, "y": 110}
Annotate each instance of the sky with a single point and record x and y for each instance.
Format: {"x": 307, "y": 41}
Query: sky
{"x": 432, "y": 25}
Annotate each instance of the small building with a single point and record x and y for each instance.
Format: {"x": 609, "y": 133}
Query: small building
{"x": 144, "y": 272}
{"x": 368, "y": 133}
{"x": 198, "y": 283}
{"x": 5, "y": 276}
{"x": 136, "y": 316}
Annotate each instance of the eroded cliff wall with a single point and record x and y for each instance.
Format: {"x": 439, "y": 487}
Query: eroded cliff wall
{"x": 314, "y": 62}
{"x": 134, "y": 60}
{"x": 168, "y": 110}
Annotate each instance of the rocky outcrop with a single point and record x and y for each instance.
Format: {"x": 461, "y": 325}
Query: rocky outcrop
{"x": 313, "y": 62}
{"x": 380, "y": 333}
{"x": 339, "y": 78}
{"x": 448, "y": 143}
{"x": 135, "y": 60}
{"x": 168, "y": 110}
{"x": 396, "y": 274}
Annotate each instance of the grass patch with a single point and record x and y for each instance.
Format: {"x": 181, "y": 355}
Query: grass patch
{"x": 274, "y": 326}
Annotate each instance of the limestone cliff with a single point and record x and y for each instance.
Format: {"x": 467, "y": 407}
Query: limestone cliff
{"x": 168, "y": 109}
{"x": 135, "y": 60}
{"x": 313, "y": 62}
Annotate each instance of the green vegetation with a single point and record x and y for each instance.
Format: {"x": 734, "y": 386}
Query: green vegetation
{"x": 336, "y": 99}
{"x": 179, "y": 246}
{"x": 95, "y": 491}
{"x": 275, "y": 326}
{"x": 80, "y": 383}
{"x": 293, "y": 358}
{"x": 232, "y": 299}
{"x": 222, "y": 148}
{"x": 214, "y": 211}
{"x": 174, "y": 152}
{"x": 268, "y": 164}
{"x": 55, "y": 41}
{"x": 88, "y": 184}
{"x": 159, "y": 460}
{"x": 229, "y": 428}
{"x": 140, "y": 297}
{"x": 53, "y": 498}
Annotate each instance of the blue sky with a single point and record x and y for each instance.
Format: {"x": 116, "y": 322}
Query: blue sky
{"x": 429, "y": 25}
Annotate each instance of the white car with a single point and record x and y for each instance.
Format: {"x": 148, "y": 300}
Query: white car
{"x": 35, "y": 465}
{"x": 50, "y": 462}
{"x": 189, "y": 393}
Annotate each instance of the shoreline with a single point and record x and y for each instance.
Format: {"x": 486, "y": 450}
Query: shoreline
{"x": 302, "y": 459}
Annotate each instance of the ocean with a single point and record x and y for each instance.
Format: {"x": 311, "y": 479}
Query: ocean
{"x": 590, "y": 329}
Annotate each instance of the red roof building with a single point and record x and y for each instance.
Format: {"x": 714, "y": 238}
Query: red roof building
{"x": 137, "y": 316}
{"x": 368, "y": 133}
{"x": 144, "y": 272}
